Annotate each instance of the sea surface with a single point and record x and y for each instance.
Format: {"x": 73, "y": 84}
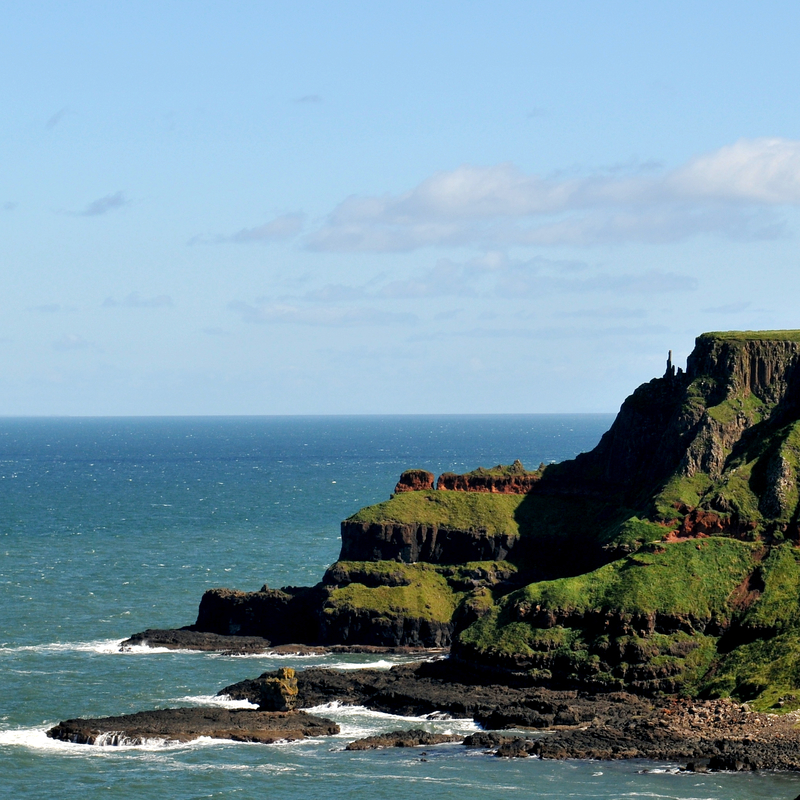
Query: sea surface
{"x": 111, "y": 526}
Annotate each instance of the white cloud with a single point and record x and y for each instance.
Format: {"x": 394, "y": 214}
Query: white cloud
{"x": 731, "y": 192}
{"x": 283, "y": 227}
{"x": 330, "y": 317}
{"x": 520, "y": 284}
{"x": 751, "y": 170}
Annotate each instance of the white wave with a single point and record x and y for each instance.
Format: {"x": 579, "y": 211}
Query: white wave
{"x": 270, "y": 655}
{"x": 146, "y": 650}
{"x": 222, "y": 701}
{"x": 107, "y": 743}
{"x": 379, "y": 664}
{"x": 357, "y": 722}
{"x": 102, "y": 646}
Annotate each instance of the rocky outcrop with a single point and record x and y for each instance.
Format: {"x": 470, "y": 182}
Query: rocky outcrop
{"x": 190, "y": 639}
{"x": 415, "y": 480}
{"x": 187, "y": 724}
{"x": 514, "y": 479}
{"x": 278, "y": 692}
{"x": 410, "y": 543}
{"x": 280, "y": 616}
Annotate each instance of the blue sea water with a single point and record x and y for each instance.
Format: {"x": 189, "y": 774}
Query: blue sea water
{"x": 110, "y": 526}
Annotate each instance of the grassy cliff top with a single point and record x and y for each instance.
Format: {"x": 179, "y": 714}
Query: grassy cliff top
{"x": 500, "y": 471}
{"x": 753, "y": 336}
{"x": 461, "y": 510}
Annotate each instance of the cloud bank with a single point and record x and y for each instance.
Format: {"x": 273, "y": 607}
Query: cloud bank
{"x": 735, "y": 191}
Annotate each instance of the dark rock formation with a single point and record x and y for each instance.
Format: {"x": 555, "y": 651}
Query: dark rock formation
{"x": 278, "y": 692}
{"x": 415, "y": 480}
{"x": 190, "y": 639}
{"x": 433, "y": 544}
{"x": 280, "y": 615}
{"x": 416, "y": 737}
{"x": 186, "y": 724}
{"x": 720, "y": 734}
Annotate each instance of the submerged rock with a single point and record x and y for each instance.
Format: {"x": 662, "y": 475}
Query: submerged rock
{"x": 416, "y": 737}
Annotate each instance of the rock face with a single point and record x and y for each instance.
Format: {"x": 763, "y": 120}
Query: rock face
{"x": 278, "y": 692}
{"x": 499, "y": 480}
{"x": 186, "y": 724}
{"x": 414, "y": 480}
{"x": 433, "y": 544}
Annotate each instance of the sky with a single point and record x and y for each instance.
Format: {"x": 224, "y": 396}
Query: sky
{"x": 379, "y": 208}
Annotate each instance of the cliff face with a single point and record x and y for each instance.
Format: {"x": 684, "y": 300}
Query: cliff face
{"x": 395, "y": 541}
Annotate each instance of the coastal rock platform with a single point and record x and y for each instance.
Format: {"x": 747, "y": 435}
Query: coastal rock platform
{"x": 709, "y": 734}
{"x": 189, "y": 638}
{"x": 186, "y": 724}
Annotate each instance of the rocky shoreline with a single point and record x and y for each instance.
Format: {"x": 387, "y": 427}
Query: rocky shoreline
{"x": 713, "y": 734}
{"x": 520, "y": 721}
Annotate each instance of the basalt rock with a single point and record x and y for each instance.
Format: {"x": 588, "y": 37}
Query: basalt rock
{"x": 189, "y": 639}
{"x": 186, "y": 724}
{"x": 278, "y": 692}
{"x": 433, "y": 544}
{"x": 416, "y": 737}
{"x": 415, "y": 480}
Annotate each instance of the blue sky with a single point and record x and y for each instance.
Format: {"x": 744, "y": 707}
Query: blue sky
{"x": 439, "y": 207}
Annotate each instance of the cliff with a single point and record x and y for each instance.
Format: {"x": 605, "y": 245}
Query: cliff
{"x": 664, "y": 560}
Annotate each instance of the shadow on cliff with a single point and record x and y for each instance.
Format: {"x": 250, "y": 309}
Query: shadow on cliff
{"x": 562, "y": 535}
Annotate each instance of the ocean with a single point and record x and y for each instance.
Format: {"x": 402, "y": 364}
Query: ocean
{"x": 109, "y": 526}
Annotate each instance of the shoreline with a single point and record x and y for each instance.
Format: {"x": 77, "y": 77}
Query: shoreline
{"x": 703, "y": 734}
{"x": 190, "y": 639}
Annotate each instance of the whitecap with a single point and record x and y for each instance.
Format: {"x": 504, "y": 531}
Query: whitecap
{"x": 358, "y": 721}
{"x": 223, "y": 701}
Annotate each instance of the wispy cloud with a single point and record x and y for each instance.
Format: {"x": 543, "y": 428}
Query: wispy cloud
{"x": 103, "y": 205}
{"x": 49, "y": 308}
{"x": 135, "y": 300}
{"x": 651, "y": 282}
{"x": 308, "y": 98}
{"x": 735, "y": 192}
{"x": 285, "y": 226}
{"x": 319, "y": 316}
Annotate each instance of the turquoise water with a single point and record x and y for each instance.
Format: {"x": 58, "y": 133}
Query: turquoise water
{"x": 109, "y": 526}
